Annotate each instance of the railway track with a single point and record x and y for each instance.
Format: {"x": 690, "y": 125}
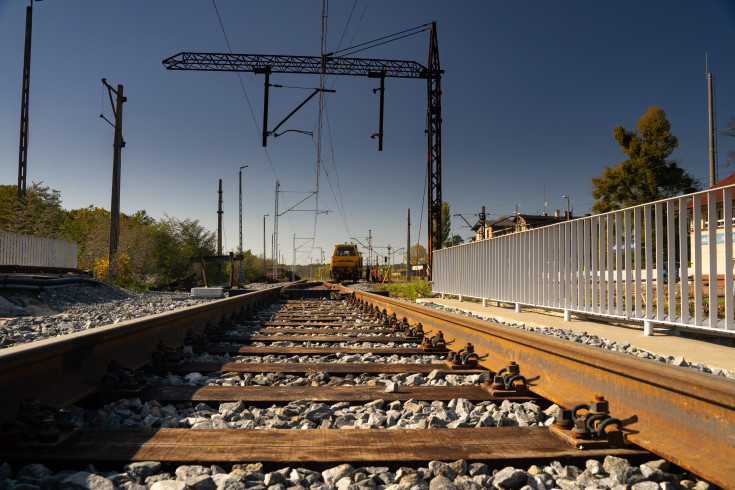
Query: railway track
{"x": 335, "y": 362}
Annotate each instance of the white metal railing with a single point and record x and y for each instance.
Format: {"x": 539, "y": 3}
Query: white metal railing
{"x": 613, "y": 265}
{"x": 27, "y": 250}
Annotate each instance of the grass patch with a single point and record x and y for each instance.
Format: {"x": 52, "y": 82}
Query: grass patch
{"x": 406, "y": 290}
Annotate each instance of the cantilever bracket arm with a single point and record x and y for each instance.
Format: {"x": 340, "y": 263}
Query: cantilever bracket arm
{"x": 316, "y": 91}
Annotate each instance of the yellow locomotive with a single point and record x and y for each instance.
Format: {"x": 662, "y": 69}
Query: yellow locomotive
{"x": 346, "y": 263}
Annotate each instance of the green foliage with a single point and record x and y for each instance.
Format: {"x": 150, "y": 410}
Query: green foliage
{"x": 418, "y": 255}
{"x": 648, "y": 174}
{"x": 39, "y": 214}
{"x": 407, "y": 290}
{"x": 179, "y": 240}
{"x": 77, "y": 225}
{"x": 454, "y": 240}
{"x": 446, "y": 223}
{"x": 446, "y": 226}
{"x": 153, "y": 252}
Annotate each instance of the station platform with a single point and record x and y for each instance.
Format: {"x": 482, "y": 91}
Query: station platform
{"x": 663, "y": 342}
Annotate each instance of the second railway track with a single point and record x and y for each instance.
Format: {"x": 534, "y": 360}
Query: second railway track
{"x": 335, "y": 363}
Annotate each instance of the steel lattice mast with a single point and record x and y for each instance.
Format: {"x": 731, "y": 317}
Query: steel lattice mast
{"x": 434, "y": 139}
{"x": 373, "y": 68}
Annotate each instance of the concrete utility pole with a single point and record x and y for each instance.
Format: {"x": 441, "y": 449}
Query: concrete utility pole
{"x": 265, "y": 271}
{"x": 711, "y": 100}
{"x": 408, "y": 245}
{"x": 241, "y": 250}
{"x": 370, "y": 247}
{"x": 219, "y": 219}
{"x": 117, "y": 145}
{"x": 275, "y": 234}
{"x": 23, "y": 147}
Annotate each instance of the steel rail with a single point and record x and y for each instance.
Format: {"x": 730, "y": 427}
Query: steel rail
{"x": 61, "y": 370}
{"x": 682, "y": 415}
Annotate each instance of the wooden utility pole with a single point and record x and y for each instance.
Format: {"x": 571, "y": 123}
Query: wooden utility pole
{"x": 118, "y": 144}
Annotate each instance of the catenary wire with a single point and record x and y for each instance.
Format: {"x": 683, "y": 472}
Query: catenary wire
{"x": 244, "y": 91}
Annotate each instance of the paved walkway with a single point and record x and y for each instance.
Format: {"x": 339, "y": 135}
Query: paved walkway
{"x": 663, "y": 342}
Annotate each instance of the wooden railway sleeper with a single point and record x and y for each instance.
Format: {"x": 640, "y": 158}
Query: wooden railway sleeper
{"x": 35, "y": 422}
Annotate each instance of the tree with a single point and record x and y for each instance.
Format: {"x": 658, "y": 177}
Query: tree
{"x": 454, "y": 240}
{"x": 39, "y": 214}
{"x": 648, "y": 174}
{"x": 418, "y": 255}
{"x": 446, "y": 227}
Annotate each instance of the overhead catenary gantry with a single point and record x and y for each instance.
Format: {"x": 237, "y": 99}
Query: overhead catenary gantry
{"x": 336, "y": 65}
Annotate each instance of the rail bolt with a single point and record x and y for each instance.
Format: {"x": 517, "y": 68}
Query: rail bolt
{"x": 498, "y": 383}
{"x": 599, "y": 405}
{"x": 64, "y": 421}
{"x": 610, "y": 429}
{"x": 438, "y": 342}
{"x": 565, "y": 420}
{"x": 29, "y": 408}
{"x": 513, "y": 368}
{"x": 580, "y": 429}
{"x": 48, "y": 431}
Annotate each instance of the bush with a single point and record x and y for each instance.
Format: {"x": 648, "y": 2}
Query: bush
{"x": 407, "y": 290}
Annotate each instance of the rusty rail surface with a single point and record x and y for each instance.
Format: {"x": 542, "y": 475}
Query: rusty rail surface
{"x": 682, "y": 415}
{"x": 61, "y": 370}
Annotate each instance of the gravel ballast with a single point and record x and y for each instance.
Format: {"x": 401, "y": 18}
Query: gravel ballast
{"x": 610, "y": 473}
{"x": 78, "y": 308}
{"x": 75, "y": 308}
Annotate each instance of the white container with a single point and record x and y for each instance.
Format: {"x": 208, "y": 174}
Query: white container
{"x": 206, "y": 292}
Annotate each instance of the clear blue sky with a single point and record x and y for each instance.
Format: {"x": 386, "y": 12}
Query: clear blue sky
{"x": 531, "y": 93}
